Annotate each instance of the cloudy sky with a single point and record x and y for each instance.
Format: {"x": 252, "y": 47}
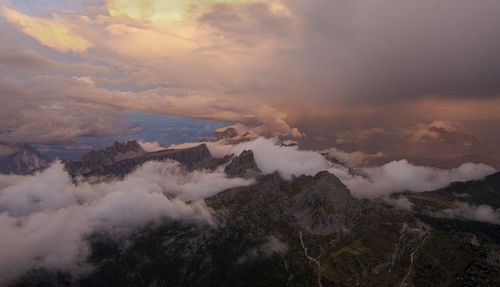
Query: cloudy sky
{"x": 305, "y": 69}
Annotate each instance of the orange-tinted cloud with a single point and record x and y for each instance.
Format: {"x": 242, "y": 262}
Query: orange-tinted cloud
{"x": 322, "y": 66}
{"x": 49, "y": 32}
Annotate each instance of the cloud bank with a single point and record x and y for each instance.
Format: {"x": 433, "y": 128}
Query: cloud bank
{"x": 365, "y": 182}
{"x": 150, "y": 146}
{"x": 399, "y": 176}
{"x": 466, "y": 211}
{"x": 45, "y": 218}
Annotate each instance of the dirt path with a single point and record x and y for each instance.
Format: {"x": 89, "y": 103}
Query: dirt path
{"x": 314, "y": 260}
{"x": 412, "y": 259}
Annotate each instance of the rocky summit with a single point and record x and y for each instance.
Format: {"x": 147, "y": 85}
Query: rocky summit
{"x": 228, "y": 133}
{"x": 20, "y": 159}
{"x": 243, "y": 166}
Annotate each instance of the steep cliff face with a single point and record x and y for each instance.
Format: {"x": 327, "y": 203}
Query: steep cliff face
{"x": 243, "y": 166}
{"x": 20, "y": 159}
{"x": 120, "y": 159}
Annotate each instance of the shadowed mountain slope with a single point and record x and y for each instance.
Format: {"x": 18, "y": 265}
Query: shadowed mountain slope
{"x": 121, "y": 159}
{"x": 20, "y": 159}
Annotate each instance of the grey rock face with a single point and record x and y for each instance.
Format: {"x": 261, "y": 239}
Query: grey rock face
{"x": 324, "y": 206}
{"x": 243, "y": 166}
{"x": 319, "y": 205}
{"x": 229, "y": 135}
{"x": 121, "y": 159}
{"x": 225, "y": 134}
{"x": 20, "y": 159}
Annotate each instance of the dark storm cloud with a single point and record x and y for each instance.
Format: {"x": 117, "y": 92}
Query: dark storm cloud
{"x": 367, "y": 51}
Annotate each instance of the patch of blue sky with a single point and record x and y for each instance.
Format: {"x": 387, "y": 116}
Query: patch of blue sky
{"x": 164, "y": 129}
{"x": 40, "y": 7}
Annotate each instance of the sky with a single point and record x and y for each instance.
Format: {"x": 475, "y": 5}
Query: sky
{"x": 309, "y": 70}
{"x": 161, "y": 129}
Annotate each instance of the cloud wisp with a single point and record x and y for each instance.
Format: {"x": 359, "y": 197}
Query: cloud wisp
{"x": 466, "y": 211}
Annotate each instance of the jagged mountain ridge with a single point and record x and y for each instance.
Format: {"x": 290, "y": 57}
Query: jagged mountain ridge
{"x": 20, "y": 159}
{"x": 122, "y": 158}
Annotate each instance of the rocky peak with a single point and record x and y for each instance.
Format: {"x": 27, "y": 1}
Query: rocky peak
{"x": 319, "y": 204}
{"x": 225, "y": 134}
{"x": 118, "y": 151}
{"x": 20, "y": 159}
{"x": 200, "y": 151}
{"x": 119, "y": 147}
{"x": 323, "y": 204}
{"x": 120, "y": 159}
{"x": 243, "y": 166}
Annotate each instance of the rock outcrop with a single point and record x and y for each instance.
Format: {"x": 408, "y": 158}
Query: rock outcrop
{"x": 120, "y": 159}
{"x": 324, "y": 205}
{"x": 20, "y": 159}
{"x": 225, "y": 134}
{"x": 243, "y": 166}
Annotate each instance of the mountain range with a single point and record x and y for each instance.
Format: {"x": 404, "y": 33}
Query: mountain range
{"x": 307, "y": 231}
{"x": 437, "y": 144}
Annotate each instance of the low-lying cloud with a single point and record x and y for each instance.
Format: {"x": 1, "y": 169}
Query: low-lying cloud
{"x": 399, "y": 176}
{"x": 466, "y": 211}
{"x": 150, "y": 146}
{"x": 45, "y": 217}
{"x": 364, "y": 182}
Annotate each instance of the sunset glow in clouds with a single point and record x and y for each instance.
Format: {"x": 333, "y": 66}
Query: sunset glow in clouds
{"x": 309, "y": 70}
{"x": 49, "y": 32}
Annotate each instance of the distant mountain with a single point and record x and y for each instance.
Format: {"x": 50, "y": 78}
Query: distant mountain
{"x": 436, "y": 144}
{"x": 230, "y": 135}
{"x": 122, "y": 158}
{"x": 445, "y": 147}
{"x": 20, "y": 159}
